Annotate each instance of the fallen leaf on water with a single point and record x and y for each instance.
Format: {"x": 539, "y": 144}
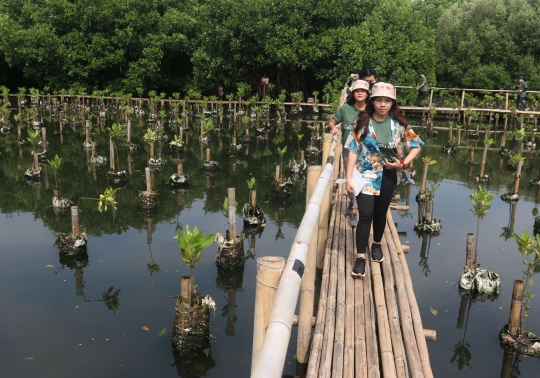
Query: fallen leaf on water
{"x": 76, "y": 307}
{"x": 145, "y": 328}
{"x": 433, "y": 311}
{"x": 49, "y": 266}
{"x": 163, "y": 332}
{"x": 206, "y": 351}
{"x": 29, "y": 358}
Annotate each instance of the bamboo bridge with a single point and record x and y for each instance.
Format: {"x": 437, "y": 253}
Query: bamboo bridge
{"x": 357, "y": 327}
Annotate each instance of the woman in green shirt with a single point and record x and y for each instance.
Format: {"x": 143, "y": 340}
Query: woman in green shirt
{"x": 347, "y": 114}
{"x": 377, "y": 152}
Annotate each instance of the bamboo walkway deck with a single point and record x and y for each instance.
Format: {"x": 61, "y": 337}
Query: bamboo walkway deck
{"x": 370, "y": 326}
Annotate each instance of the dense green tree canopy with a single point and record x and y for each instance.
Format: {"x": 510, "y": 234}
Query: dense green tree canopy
{"x": 489, "y": 43}
{"x": 170, "y": 46}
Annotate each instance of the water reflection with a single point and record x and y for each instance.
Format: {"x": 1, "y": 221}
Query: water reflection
{"x": 193, "y": 364}
{"x": 230, "y": 281}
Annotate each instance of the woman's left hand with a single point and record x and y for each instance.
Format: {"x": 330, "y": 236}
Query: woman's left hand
{"x": 396, "y": 164}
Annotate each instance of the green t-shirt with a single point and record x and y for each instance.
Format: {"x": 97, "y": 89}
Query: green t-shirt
{"x": 524, "y": 87}
{"x": 425, "y": 87}
{"x": 383, "y": 131}
{"x": 346, "y": 114}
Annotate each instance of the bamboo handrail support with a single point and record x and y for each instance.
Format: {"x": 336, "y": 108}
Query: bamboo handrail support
{"x": 325, "y": 206}
{"x": 269, "y": 271}
{"x": 278, "y": 332}
{"x": 307, "y": 290}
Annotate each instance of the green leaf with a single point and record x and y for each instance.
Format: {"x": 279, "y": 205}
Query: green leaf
{"x": 433, "y": 311}
{"x": 29, "y": 358}
{"x": 163, "y": 332}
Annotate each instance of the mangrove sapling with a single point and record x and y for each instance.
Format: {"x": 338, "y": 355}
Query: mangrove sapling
{"x": 252, "y": 213}
{"x": 58, "y": 203}
{"x": 432, "y": 113}
{"x": 529, "y": 246}
{"x": 475, "y": 279}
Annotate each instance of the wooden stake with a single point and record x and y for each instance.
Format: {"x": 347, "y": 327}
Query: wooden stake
{"x": 269, "y": 269}
{"x": 484, "y": 157}
{"x": 469, "y": 251}
{"x": 87, "y": 129}
{"x": 208, "y": 154}
{"x": 232, "y": 214}
{"x": 75, "y": 230}
{"x": 129, "y": 130}
{"x": 44, "y": 139}
{"x": 36, "y": 162}
{"x": 186, "y": 290}
{"x": 515, "y": 308}
{"x": 277, "y": 172}
{"x": 111, "y": 154}
{"x": 148, "y": 179}
{"x": 424, "y": 178}
{"x": 180, "y": 169}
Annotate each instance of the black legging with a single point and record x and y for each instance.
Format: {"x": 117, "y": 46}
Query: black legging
{"x": 373, "y": 209}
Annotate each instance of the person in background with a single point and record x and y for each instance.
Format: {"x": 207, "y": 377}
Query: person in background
{"x": 377, "y": 152}
{"x": 347, "y": 114}
{"x": 370, "y": 76}
{"x": 522, "y": 92}
{"x": 422, "y": 88}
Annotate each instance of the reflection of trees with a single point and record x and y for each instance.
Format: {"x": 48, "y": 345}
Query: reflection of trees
{"x": 510, "y": 365}
{"x": 424, "y": 255}
{"x": 509, "y": 230}
{"x": 230, "y": 281}
{"x": 193, "y": 364}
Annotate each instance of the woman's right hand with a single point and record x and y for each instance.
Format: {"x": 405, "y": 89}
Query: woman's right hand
{"x": 350, "y": 187}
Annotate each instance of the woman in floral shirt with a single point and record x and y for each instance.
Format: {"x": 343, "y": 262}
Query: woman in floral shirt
{"x": 383, "y": 144}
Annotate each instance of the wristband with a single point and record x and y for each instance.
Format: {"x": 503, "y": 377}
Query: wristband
{"x": 403, "y": 165}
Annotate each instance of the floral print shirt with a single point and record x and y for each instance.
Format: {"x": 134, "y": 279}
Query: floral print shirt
{"x": 369, "y": 160}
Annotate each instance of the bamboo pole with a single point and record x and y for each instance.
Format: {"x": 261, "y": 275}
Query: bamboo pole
{"x": 318, "y": 334}
{"x": 339, "y": 343}
{"x": 208, "y": 154}
{"x": 148, "y": 177}
{"x": 330, "y": 317}
{"x": 111, "y": 154}
{"x": 415, "y": 313}
{"x": 75, "y": 230}
{"x": 325, "y": 207}
{"x": 469, "y": 252}
{"x": 383, "y": 326}
{"x": 44, "y": 139}
{"x": 515, "y": 187}
{"x": 407, "y": 327}
{"x": 515, "y": 308}
{"x": 269, "y": 270}
{"x": 186, "y": 290}
{"x": 400, "y": 359}
{"x": 307, "y": 290}
{"x": 129, "y": 130}
{"x": 36, "y": 162}
{"x": 87, "y": 131}
{"x": 424, "y": 178}
{"x": 484, "y": 157}
{"x": 277, "y": 172}
{"x": 372, "y": 349}
{"x": 232, "y": 214}
{"x": 350, "y": 333}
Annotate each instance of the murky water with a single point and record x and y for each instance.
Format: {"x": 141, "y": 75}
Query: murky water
{"x": 54, "y": 321}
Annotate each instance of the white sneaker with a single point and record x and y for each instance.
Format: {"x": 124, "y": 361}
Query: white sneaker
{"x": 526, "y": 109}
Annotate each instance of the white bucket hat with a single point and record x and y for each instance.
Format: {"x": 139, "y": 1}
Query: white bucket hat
{"x": 383, "y": 90}
{"x": 360, "y": 84}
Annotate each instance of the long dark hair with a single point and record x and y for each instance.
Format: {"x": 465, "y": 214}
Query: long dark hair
{"x": 362, "y": 125}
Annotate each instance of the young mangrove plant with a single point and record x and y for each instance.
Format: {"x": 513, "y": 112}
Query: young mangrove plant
{"x": 517, "y": 162}
{"x": 475, "y": 279}
{"x": 252, "y": 213}
{"x": 191, "y": 322}
{"x": 58, "y": 203}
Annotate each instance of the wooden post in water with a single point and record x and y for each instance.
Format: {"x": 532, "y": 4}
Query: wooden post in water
{"x": 278, "y": 173}
{"x": 36, "y": 162}
{"x": 269, "y": 269}
{"x": 424, "y": 178}
{"x": 129, "y": 131}
{"x": 484, "y": 157}
{"x": 515, "y": 308}
{"x": 208, "y": 154}
{"x": 515, "y": 187}
{"x": 148, "y": 177}
{"x": 87, "y": 130}
{"x": 111, "y": 154}
{"x": 44, "y": 139}
{"x": 75, "y": 230}
{"x": 232, "y": 215}
{"x": 469, "y": 251}
{"x": 307, "y": 289}
{"x": 186, "y": 290}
